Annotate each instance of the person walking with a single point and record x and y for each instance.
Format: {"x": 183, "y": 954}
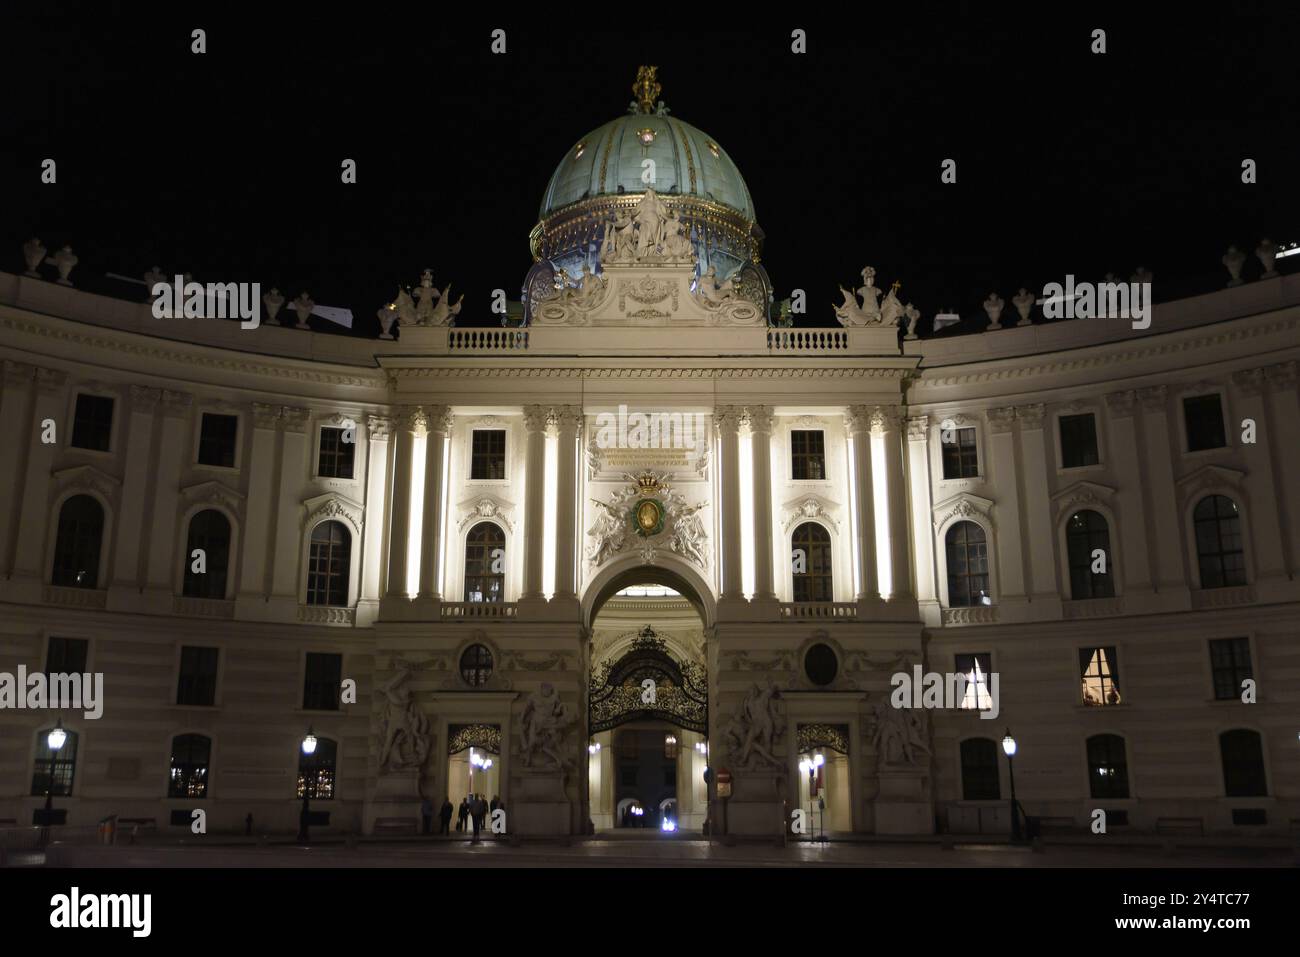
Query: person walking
{"x": 444, "y": 815}
{"x": 463, "y": 814}
{"x": 479, "y": 811}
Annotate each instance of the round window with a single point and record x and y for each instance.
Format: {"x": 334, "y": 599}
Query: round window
{"x": 476, "y": 665}
{"x": 820, "y": 664}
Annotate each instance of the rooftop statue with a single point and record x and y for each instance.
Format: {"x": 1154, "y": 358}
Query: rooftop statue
{"x": 870, "y": 311}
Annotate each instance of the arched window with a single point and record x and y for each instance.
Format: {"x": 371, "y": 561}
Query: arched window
{"x": 811, "y": 546}
{"x": 476, "y": 665}
{"x": 329, "y": 564}
{"x": 968, "y": 566}
{"x": 1107, "y": 766}
{"x": 209, "y": 531}
{"x": 1218, "y": 542}
{"x": 979, "y": 770}
{"x": 65, "y": 764}
{"x": 485, "y": 557}
{"x": 1242, "y": 752}
{"x": 1086, "y": 534}
{"x": 77, "y": 544}
{"x": 316, "y": 770}
{"x": 189, "y": 768}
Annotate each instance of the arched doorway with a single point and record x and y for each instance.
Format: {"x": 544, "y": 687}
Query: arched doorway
{"x": 647, "y": 706}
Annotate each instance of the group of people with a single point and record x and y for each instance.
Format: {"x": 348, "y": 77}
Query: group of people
{"x": 473, "y": 813}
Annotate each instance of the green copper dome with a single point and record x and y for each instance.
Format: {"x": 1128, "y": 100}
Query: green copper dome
{"x": 609, "y": 161}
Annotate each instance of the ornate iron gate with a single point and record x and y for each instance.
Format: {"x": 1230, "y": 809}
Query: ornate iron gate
{"x": 618, "y": 694}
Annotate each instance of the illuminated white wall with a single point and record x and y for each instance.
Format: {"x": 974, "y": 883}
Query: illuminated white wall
{"x": 747, "y": 514}
{"x": 416, "y": 493}
{"x": 880, "y": 505}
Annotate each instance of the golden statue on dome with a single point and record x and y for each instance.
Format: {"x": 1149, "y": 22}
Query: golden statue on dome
{"x": 647, "y": 88}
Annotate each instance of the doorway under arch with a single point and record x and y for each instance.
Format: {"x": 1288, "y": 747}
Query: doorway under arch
{"x": 668, "y": 571}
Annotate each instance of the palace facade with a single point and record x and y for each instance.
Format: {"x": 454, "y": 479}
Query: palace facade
{"x": 647, "y": 527}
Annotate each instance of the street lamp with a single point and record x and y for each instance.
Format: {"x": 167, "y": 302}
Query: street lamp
{"x": 308, "y": 749}
{"x": 1009, "y": 746}
{"x": 809, "y": 766}
{"x": 54, "y": 741}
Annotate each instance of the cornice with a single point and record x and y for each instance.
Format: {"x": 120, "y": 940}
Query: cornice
{"x": 714, "y": 372}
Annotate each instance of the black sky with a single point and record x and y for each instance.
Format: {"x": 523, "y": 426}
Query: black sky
{"x": 226, "y": 165}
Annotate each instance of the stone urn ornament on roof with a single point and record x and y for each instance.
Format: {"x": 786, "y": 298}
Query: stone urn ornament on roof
{"x": 1266, "y": 251}
{"x": 303, "y": 307}
{"x": 64, "y": 260}
{"x": 1024, "y": 303}
{"x": 33, "y": 254}
{"x": 273, "y": 301}
{"x": 993, "y": 307}
{"x": 1234, "y": 259}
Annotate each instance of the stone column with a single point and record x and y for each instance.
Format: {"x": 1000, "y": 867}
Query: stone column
{"x": 378, "y": 429}
{"x": 726, "y": 420}
{"x": 411, "y": 424}
{"x": 568, "y": 424}
{"x": 536, "y": 421}
{"x": 255, "y": 536}
{"x": 439, "y": 428}
{"x": 294, "y": 449}
{"x": 918, "y": 461}
{"x": 760, "y": 421}
{"x": 1132, "y": 516}
{"x": 30, "y": 555}
{"x": 1160, "y": 500}
{"x": 1038, "y": 513}
{"x": 13, "y": 406}
{"x": 858, "y": 425}
{"x": 174, "y": 454}
{"x": 1010, "y": 557}
{"x": 888, "y": 423}
{"x": 1284, "y": 443}
{"x": 131, "y": 526}
{"x": 1266, "y": 528}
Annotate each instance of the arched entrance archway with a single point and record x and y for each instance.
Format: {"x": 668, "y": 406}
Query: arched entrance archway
{"x": 668, "y": 571}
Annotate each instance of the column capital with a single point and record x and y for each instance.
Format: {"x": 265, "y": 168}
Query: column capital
{"x": 1030, "y": 416}
{"x": 1249, "y": 381}
{"x": 50, "y": 380}
{"x": 536, "y": 418}
{"x": 918, "y": 428}
{"x": 144, "y": 398}
{"x": 1121, "y": 403}
{"x": 1152, "y": 398}
{"x": 564, "y": 419}
{"x": 758, "y": 419}
{"x": 1282, "y": 375}
{"x": 412, "y": 419}
{"x": 857, "y": 419}
{"x": 884, "y": 419}
{"x": 1001, "y": 419}
{"x": 18, "y": 373}
{"x": 726, "y": 418}
{"x": 265, "y": 416}
{"x": 379, "y": 427}
{"x": 179, "y": 403}
{"x": 438, "y": 418}
{"x": 294, "y": 419}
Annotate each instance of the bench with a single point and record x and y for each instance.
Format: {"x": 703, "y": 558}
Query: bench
{"x": 1180, "y": 825}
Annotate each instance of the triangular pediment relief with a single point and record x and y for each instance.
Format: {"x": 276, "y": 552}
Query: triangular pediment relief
{"x": 961, "y": 505}
{"x": 1081, "y": 494}
{"x": 85, "y": 478}
{"x": 486, "y": 507}
{"x": 332, "y": 505}
{"x": 809, "y": 506}
{"x": 214, "y": 493}
{"x": 1210, "y": 477}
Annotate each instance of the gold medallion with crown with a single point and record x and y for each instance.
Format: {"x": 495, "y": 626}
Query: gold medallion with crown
{"x": 648, "y": 512}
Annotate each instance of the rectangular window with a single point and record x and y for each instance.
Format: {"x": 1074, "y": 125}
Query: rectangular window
{"x": 323, "y": 679}
{"x": 1203, "y": 415}
{"x": 807, "y": 455}
{"x": 1230, "y": 662}
{"x": 488, "y": 454}
{"x": 336, "y": 456}
{"x": 1079, "y": 441}
{"x": 975, "y": 668}
{"x": 627, "y": 776}
{"x": 67, "y": 656}
{"x": 92, "y": 423}
{"x": 217, "y": 435}
{"x": 198, "y": 681}
{"x": 960, "y": 457}
{"x": 1099, "y": 671}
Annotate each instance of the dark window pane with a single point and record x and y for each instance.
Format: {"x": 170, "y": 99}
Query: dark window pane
{"x": 1107, "y": 767}
{"x": 476, "y": 665}
{"x": 485, "y": 575}
{"x": 820, "y": 664}
{"x": 66, "y": 656}
{"x": 92, "y": 423}
{"x": 979, "y": 770}
{"x": 324, "y": 678}
{"x": 811, "y": 551}
{"x": 336, "y": 456}
{"x": 1230, "y": 663}
{"x": 960, "y": 459}
{"x": 316, "y": 771}
{"x": 329, "y": 565}
{"x": 77, "y": 543}
{"x": 1204, "y": 417}
{"x": 807, "y": 455}
{"x": 1078, "y": 440}
{"x": 209, "y": 531}
{"x": 968, "y": 580}
{"x": 65, "y": 765}
{"x": 1243, "y": 764}
{"x": 188, "y": 776}
{"x": 1085, "y": 533}
{"x": 217, "y": 435}
{"x": 198, "y": 679}
{"x": 488, "y": 454}
{"x": 1219, "y": 551}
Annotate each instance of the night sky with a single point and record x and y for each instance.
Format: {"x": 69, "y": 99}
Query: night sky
{"x": 226, "y": 165}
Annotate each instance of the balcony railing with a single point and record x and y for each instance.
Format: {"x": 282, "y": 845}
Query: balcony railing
{"x": 326, "y": 615}
{"x": 75, "y": 597}
{"x": 1093, "y": 607}
{"x": 203, "y": 607}
{"x": 808, "y": 340}
{"x": 804, "y": 610}
{"x": 975, "y": 615}
{"x": 1223, "y": 597}
{"x": 488, "y": 340}
{"x": 478, "y": 609}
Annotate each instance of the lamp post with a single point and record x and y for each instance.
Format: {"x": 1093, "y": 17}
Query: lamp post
{"x": 1009, "y": 746}
{"x": 809, "y": 766}
{"x": 308, "y": 749}
{"x": 54, "y": 741}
